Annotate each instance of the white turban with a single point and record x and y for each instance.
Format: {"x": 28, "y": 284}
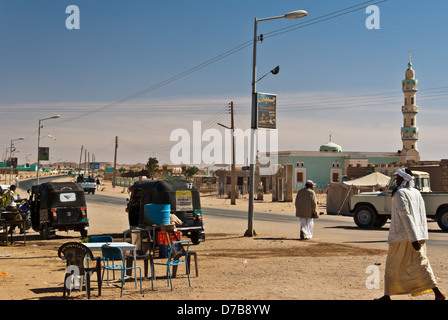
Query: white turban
{"x": 408, "y": 179}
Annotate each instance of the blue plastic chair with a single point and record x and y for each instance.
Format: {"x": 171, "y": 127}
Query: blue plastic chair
{"x": 101, "y": 239}
{"x": 115, "y": 254}
{"x": 178, "y": 255}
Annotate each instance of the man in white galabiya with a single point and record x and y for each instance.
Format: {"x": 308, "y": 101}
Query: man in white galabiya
{"x": 407, "y": 267}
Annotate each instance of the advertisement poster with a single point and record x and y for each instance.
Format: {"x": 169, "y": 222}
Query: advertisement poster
{"x": 184, "y": 200}
{"x": 267, "y": 107}
{"x": 44, "y": 153}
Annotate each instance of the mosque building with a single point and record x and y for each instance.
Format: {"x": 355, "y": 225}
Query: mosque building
{"x": 330, "y": 163}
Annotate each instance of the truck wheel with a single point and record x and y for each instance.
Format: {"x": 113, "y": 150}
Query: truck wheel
{"x": 365, "y": 217}
{"x": 380, "y": 221}
{"x": 442, "y": 219}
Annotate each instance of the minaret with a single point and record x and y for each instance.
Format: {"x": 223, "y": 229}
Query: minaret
{"x": 409, "y": 131}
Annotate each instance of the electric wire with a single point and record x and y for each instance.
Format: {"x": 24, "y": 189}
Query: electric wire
{"x": 221, "y": 56}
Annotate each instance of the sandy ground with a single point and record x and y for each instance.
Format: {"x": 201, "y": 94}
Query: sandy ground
{"x": 269, "y": 266}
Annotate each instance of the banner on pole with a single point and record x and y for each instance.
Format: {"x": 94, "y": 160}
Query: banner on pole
{"x": 44, "y": 153}
{"x": 267, "y": 110}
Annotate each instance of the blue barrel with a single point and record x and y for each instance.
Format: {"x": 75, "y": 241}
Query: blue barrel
{"x": 157, "y": 214}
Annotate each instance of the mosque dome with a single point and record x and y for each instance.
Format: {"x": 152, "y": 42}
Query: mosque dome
{"x": 330, "y": 147}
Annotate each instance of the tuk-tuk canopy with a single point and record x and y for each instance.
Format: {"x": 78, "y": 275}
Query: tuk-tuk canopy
{"x": 168, "y": 192}
{"x": 59, "y": 187}
{"x": 54, "y": 194}
{"x": 165, "y": 185}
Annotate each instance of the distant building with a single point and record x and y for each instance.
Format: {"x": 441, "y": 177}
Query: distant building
{"x": 331, "y": 163}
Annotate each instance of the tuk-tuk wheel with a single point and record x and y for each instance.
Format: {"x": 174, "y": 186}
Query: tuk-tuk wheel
{"x": 45, "y": 232}
{"x": 195, "y": 238}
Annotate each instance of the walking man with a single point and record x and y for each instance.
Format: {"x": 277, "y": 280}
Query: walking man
{"x": 407, "y": 267}
{"x": 306, "y": 210}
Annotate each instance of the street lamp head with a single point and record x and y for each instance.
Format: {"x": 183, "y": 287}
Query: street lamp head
{"x": 275, "y": 70}
{"x": 296, "y": 14}
{"x": 55, "y": 117}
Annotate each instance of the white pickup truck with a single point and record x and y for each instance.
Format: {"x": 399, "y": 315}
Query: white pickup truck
{"x": 372, "y": 209}
{"x": 88, "y": 186}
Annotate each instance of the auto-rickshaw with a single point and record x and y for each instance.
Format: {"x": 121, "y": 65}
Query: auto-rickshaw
{"x": 183, "y": 198}
{"x": 58, "y": 206}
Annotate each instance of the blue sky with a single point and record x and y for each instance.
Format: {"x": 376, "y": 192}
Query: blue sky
{"x": 335, "y": 75}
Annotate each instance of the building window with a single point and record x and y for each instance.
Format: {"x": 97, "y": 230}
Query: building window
{"x": 412, "y": 121}
{"x": 412, "y": 101}
{"x": 300, "y": 176}
{"x": 335, "y": 175}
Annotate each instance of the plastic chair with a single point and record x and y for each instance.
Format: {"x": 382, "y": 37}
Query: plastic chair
{"x": 115, "y": 254}
{"x": 175, "y": 258}
{"x": 181, "y": 252}
{"x": 101, "y": 239}
{"x": 97, "y": 239}
{"x": 75, "y": 253}
{"x": 141, "y": 238}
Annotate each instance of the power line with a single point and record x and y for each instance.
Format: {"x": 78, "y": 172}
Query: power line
{"x": 223, "y": 55}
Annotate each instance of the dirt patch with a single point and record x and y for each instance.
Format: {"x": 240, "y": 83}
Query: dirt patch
{"x": 271, "y": 248}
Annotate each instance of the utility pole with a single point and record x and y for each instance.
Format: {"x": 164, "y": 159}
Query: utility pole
{"x": 80, "y": 157}
{"x": 233, "y": 175}
{"x": 85, "y": 161}
{"x": 233, "y": 178}
{"x": 115, "y": 162}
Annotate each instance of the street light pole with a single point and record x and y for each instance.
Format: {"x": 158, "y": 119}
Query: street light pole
{"x": 38, "y": 144}
{"x": 10, "y": 158}
{"x": 291, "y": 15}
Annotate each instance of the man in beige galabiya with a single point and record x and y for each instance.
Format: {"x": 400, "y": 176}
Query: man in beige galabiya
{"x": 306, "y": 210}
{"x": 407, "y": 267}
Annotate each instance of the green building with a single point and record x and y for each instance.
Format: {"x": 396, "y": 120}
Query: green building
{"x": 329, "y": 164}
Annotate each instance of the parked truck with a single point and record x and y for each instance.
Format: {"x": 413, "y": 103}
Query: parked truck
{"x": 373, "y": 209}
{"x": 88, "y": 185}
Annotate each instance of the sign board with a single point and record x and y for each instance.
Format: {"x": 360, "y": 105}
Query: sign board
{"x": 184, "y": 200}
{"x": 267, "y": 110}
{"x": 94, "y": 165}
{"x": 11, "y": 162}
{"x": 44, "y": 153}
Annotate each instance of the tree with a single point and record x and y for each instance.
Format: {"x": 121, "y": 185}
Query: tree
{"x": 152, "y": 166}
{"x": 191, "y": 171}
